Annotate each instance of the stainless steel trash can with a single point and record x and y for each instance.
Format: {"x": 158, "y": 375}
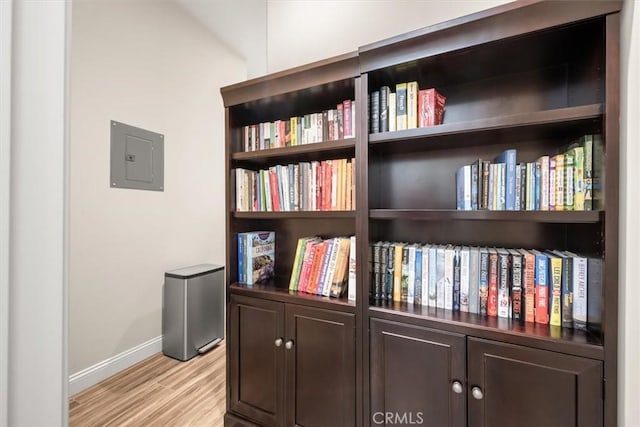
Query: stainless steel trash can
{"x": 193, "y": 304}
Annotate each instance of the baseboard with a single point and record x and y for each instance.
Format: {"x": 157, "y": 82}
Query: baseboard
{"x": 94, "y": 374}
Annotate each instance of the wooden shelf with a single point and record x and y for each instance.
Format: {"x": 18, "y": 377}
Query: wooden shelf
{"x": 282, "y": 294}
{"x": 512, "y": 128}
{"x": 298, "y": 214}
{"x": 559, "y": 217}
{"x": 342, "y": 148}
{"x": 564, "y": 340}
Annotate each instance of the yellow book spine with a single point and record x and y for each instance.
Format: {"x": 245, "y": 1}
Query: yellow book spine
{"x": 555, "y": 318}
{"x": 412, "y": 105}
{"x": 349, "y": 184}
{"x": 294, "y": 131}
{"x": 397, "y": 272}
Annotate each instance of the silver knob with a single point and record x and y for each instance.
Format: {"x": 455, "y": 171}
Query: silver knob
{"x": 278, "y": 342}
{"x": 456, "y": 387}
{"x": 476, "y": 392}
{"x": 289, "y": 345}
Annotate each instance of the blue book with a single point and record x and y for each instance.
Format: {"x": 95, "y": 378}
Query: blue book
{"x": 508, "y": 157}
{"x": 417, "y": 295}
{"x": 542, "y": 287}
{"x": 241, "y": 255}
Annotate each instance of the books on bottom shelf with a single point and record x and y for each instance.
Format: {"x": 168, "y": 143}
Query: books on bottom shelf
{"x": 324, "y": 267}
{"x": 553, "y": 287}
{"x": 256, "y": 256}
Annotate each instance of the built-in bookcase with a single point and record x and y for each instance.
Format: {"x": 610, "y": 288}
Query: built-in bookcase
{"x": 533, "y": 76}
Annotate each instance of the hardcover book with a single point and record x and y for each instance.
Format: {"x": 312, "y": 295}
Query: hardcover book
{"x": 431, "y": 107}
{"x": 401, "y": 106}
{"x": 259, "y": 256}
{"x": 412, "y": 105}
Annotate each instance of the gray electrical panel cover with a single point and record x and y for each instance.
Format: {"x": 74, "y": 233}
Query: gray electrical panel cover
{"x": 137, "y": 158}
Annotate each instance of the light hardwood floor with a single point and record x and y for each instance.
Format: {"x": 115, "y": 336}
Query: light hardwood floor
{"x": 158, "y": 391}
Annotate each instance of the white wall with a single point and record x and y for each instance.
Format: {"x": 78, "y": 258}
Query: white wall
{"x": 151, "y": 65}
{"x": 300, "y": 32}
{"x": 37, "y": 267}
{"x": 240, "y": 24}
{"x": 629, "y": 331}
{"x": 5, "y": 178}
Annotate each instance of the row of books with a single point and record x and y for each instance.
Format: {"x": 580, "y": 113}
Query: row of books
{"x": 325, "y": 267}
{"x": 553, "y": 287}
{"x": 326, "y": 185}
{"x": 327, "y": 125}
{"x": 256, "y": 256}
{"x": 566, "y": 181}
{"x": 406, "y": 108}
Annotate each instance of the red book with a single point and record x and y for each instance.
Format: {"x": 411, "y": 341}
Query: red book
{"x": 316, "y": 264}
{"x": 309, "y": 253}
{"x": 275, "y": 192}
{"x": 492, "y": 300}
{"x": 528, "y": 285}
{"x": 430, "y": 107}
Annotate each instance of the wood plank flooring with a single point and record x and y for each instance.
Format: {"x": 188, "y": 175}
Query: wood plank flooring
{"x": 158, "y": 391}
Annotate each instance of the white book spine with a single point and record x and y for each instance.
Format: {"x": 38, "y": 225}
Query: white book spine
{"x": 440, "y": 277}
{"x": 326, "y": 289}
{"x": 448, "y": 277}
{"x": 544, "y": 183}
{"x": 426, "y": 253}
{"x": 392, "y": 112}
{"x": 351, "y": 289}
{"x": 580, "y": 292}
{"x": 464, "y": 279}
{"x": 239, "y": 189}
{"x": 467, "y": 187}
{"x": 433, "y": 261}
{"x": 411, "y": 274}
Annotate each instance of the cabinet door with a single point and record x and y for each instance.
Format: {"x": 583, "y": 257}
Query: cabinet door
{"x": 532, "y": 388}
{"x": 256, "y": 363}
{"x": 321, "y": 373}
{"x": 413, "y": 372}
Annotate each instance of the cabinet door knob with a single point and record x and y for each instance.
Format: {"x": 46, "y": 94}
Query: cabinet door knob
{"x": 278, "y": 342}
{"x": 456, "y": 386}
{"x": 289, "y": 345}
{"x": 476, "y": 392}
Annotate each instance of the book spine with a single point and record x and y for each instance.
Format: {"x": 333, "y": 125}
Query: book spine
{"x": 595, "y": 272}
{"x": 392, "y": 112}
{"x": 248, "y": 257}
{"x": 433, "y": 261}
{"x": 331, "y": 269}
{"x": 578, "y": 177}
{"x": 397, "y": 273}
{"x": 425, "y": 275}
{"x": 404, "y": 277}
{"x": 516, "y": 287}
{"x": 569, "y": 158}
{"x": 325, "y": 266}
{"x": 377, "y": 271}
{"x": 417, "y": 299}
{"x": 449, "y": 255}
{"x": 401, "y": 106}
{"x": 241, "y": 257}
{"x": 544, "y": 183}
{"x": 483, "y": 285}
{"x": 412, "y": 105}
{"x": 542, "y": 289}
{"x": 485, "y": 184}
{"x": 389, "y": 274}
{"x": 492, "y": 304}
{"x": 560, "y": 177}
{"x": 474, "y": 186}
{"x": 411, "y": 274}
{"x": 518, "y": 202}
{"x": 510, "y": 179}
{"x": 348, "y": 124}
{"x": 384, "y": 109}
{"x": 504, "y": 300}
{"x": 464, "y": 279}
{"x": 440, "y": 279}
{"x": 351, "y": 286}
{"x": 295, "y": 271}
{"x": 587, "y": 148}
{"x": 456, "y": 280}
{"x": 555, "y": 311}
{"x": 375, "y": 112}
{"x": 529, "y": 268}
{"x": 552, "y": 184}
{"x": 580, "y": 292}
{"x": 567, "y": 292}
{"x": 474, "y": 280}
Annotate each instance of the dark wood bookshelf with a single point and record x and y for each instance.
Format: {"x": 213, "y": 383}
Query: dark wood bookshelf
{"x": 554, "y": 338}
{"x": 342, "y": 148}
{"x": 514, "y": 129}
{"x": 295, "y": 214}
{"x": 283, "y": 294}
{"x": 560, "y": 217}
{"x": 532, "y": 75}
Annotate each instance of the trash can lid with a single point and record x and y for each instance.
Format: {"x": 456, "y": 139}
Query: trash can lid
{"x": 193, "y": 271}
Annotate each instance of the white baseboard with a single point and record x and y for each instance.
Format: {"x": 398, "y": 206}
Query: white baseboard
{"x": 100, "y": 371}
